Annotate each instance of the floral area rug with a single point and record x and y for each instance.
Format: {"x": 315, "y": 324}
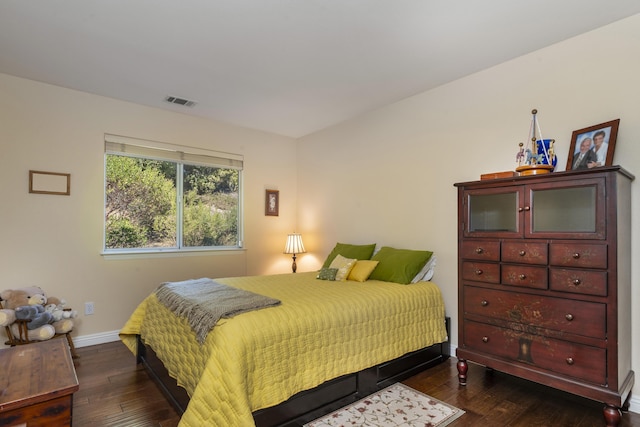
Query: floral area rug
{"x": 394, "y": 406}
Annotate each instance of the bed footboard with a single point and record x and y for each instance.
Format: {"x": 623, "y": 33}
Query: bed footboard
{"x": 311, "y": 404}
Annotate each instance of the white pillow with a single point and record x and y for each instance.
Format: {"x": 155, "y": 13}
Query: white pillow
{"x": 344, "y": 266}
{"x": 426, "y": 273}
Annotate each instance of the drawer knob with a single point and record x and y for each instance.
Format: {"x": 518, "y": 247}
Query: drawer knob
{"x": 569, "y": 317}
{"x": 522, "y": 253}
{"x": 478, "y": 272}
{"x": 576, "y": 282}
{"x": 527, "y": 208}
{"x": 479, "y": 250}
{"x": 576, "y": 255}
{"x": 522, "y": 277}
{"x": 485, "y": 339}
{"x": 570, "y": 361}
{"x": 484, "y": 303}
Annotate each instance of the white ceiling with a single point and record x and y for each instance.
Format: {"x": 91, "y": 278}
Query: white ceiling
{"x": 290, "y": 67}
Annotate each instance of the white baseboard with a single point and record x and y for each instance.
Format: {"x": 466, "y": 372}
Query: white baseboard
{"x": 634, "y": 404}
{"x": 453, "y": 349}
{"x": 95, "y": 339}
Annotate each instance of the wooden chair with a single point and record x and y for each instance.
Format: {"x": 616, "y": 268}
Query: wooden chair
{"x": 23, "y": 335}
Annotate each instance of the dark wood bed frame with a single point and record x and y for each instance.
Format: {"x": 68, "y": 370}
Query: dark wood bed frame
{"x": 327, "y": 397}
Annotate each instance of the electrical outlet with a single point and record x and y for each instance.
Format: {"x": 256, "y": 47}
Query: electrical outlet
{"x": 88, "y": 308}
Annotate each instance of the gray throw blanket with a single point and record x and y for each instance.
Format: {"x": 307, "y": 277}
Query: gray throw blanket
{"x": 203, "y": 302}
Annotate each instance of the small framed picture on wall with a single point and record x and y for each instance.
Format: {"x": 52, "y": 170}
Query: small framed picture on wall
{"x": 49, "y": 183}
{"x": 272, "y": 203}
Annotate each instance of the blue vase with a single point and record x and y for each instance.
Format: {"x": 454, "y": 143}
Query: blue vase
{"x": 546, "y": 152}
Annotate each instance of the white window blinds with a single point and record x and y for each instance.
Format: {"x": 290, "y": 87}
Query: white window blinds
{"x": 115, "y": 144}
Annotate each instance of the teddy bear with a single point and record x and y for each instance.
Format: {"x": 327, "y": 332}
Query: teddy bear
{"x": 61, "y": 316}
{"x": 58, "y": 310}
{"x": 32, "y": 296}
{"x": 37, "y": 299}
{"x": 36, "y": 315}
{"x": 13, "y": 298}
{"x": 7, "y": 316}
{"x": 43, "y": 333}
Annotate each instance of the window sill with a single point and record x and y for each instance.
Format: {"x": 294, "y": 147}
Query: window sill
{"x": 169, "y": 253}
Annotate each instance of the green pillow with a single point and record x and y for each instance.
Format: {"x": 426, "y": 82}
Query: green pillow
{"x": 398, "y": 265}
{"x": 350, "y": 251}
{"x": 327, "y": 274}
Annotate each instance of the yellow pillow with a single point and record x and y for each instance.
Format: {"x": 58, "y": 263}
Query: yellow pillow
{"x": 344, "y": 266}
{"x": 362, "y": 270}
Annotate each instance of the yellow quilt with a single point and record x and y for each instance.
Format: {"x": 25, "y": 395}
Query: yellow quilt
{"x": 256, "y": 360}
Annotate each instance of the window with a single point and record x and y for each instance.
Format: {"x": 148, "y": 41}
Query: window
{"x": 160, "y": 197}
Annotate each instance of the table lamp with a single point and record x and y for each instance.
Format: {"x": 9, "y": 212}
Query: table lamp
{"x": 294, "y": 246}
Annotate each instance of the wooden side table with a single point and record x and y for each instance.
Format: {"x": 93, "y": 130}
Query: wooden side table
{"x": 37, "y": 382}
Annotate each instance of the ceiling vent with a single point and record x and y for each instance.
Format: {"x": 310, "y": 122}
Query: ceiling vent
{"x": 180, "y": 101}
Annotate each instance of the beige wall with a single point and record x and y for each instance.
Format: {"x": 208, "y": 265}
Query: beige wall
{"x": 387, "y": 177}
{"x": 56, "y": 241}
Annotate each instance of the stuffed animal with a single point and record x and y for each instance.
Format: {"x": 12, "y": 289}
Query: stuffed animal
{"x": 34, "y": 296}
{"x": 56, "y": 301}
{"x": 35, "y": 313}
{"x": 59, "y": 312}
{"x": 58, "y": 307}
{"x": 42, "y": 333}
{"x": 7, "y": 316}
{"x": 56, "y": 311}
{"x": 13, "y": 298}
{"x": 61, "y": 315}
{"x": 37, "y": 299}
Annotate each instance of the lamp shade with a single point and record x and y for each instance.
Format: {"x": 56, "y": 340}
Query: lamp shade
{"x": 294, "y": 244}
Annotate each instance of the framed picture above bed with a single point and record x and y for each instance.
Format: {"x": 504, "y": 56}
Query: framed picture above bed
{"x": 272, "y": 203}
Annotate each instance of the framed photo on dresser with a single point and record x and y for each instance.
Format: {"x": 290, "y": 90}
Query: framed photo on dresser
{"x": 593, "y": 146}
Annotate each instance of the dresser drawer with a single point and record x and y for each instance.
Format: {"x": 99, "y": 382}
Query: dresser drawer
{"x": 524, "y": 276}
{"x": 525, "y": 252}
{"x": 578, "y": 281}
{"x": 577, "y": 255}
{"x": 481, "y": 272}
{"x": 488, "y": 250}
{"x": 575, "y": 360}
{"x": 576, "y": 317}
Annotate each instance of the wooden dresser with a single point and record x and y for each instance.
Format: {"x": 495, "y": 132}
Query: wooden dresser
{"x": 37, "y": 382}
{"x": 544, "y": 276}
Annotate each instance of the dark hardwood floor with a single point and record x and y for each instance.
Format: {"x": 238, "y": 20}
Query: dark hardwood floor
{"x": 493, "y": 399}
{"x": 114, "y": 391}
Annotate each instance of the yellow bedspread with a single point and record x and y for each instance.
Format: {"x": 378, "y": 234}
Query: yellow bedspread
{"x": 322, "y": 330}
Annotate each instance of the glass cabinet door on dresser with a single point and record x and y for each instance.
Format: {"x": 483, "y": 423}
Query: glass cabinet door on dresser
{"x": 544, "y": 281}
{"x": 550, "y": 210}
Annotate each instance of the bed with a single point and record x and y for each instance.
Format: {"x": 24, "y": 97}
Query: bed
{"x": 326, "y": 344}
